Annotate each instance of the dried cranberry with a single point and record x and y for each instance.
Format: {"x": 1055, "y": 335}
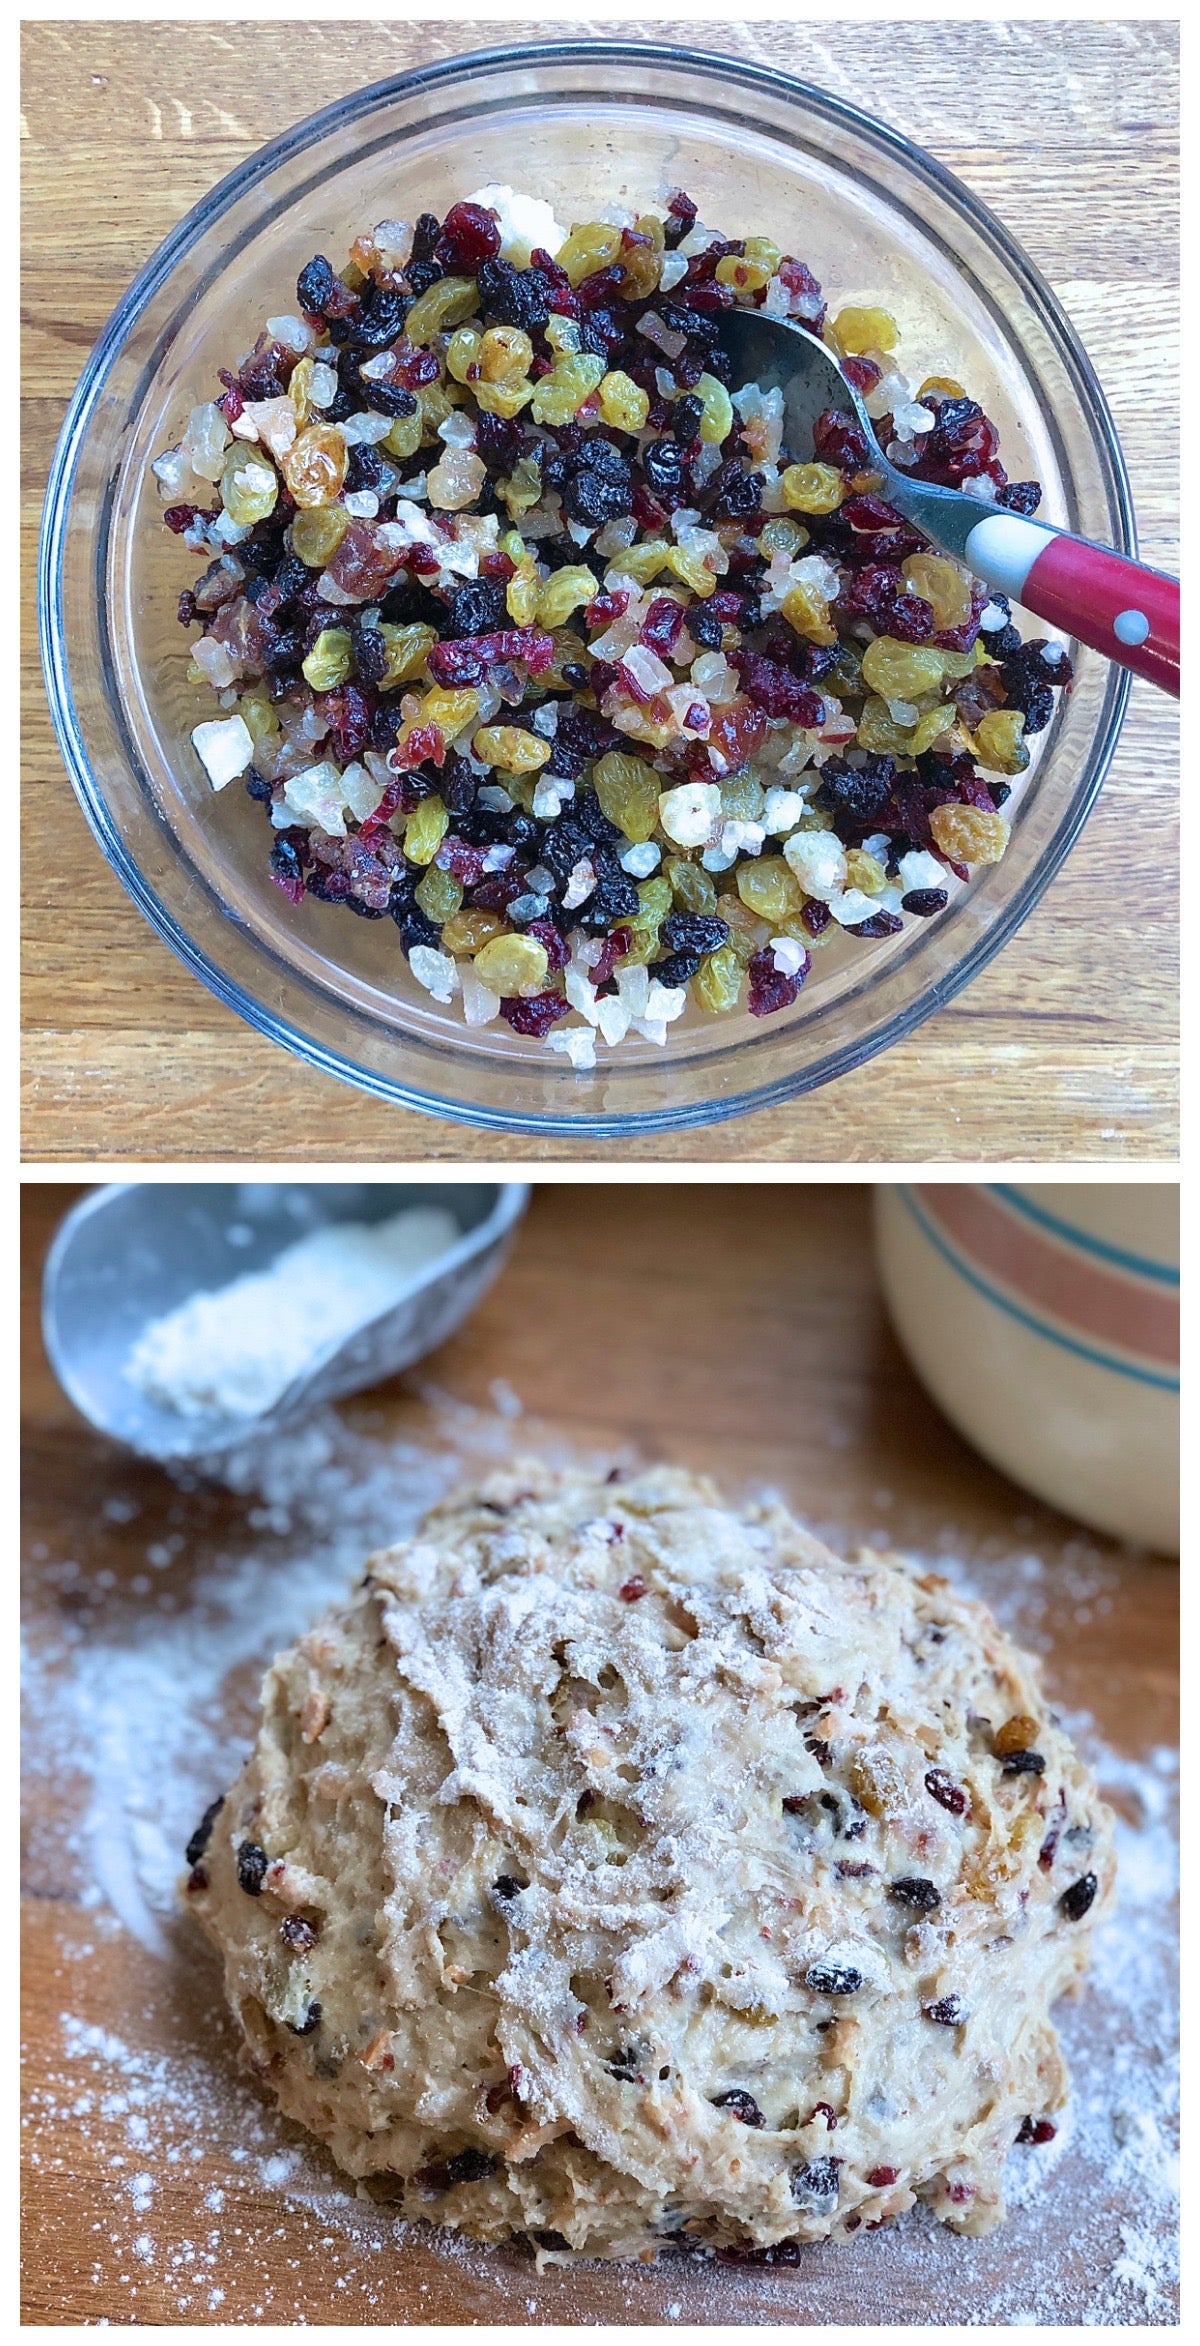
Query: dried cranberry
{"x": 880, "y": 2177}
{"x": 910, "y": 619}
{"x": 870, "y": 514}
{"x": 776, "y": 690}
{"x": 816, "y": 917}
{"x": 424, "y": 742}
{"x": 838, "y": 440}
{"x": 421, "y": 369}
{"x": 740, "y": 2105}
{"x": 349, "y": 708}
{"x": 800, "y": 282}
{"x": 879, "y": 924}
{"x": 632, "y": 1591}
{"x": 946, "y": 1792}
{"x": 461, "y": 860}
{"x": 870, "y": 593}
{"x": 547, "y": 934}
{"x": 823, "y": 2110}
{"x": 180, "y": 517}
{"x": 862, "y": 373}
{"x": 1036, "y": 2130}
{"x": 662, "y": 626}
{"x": 646, "y": 510}
{"x": 771, "y": 989}
{"x": 681, "y": 215}
{"x": 613, "y": 948}
{"x": 470, "y": 236}
{"x": 534, "y": 1014}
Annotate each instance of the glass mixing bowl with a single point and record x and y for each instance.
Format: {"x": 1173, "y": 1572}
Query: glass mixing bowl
{"x": 586, "y": 125}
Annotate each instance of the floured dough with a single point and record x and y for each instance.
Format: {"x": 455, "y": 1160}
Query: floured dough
{"x": 619, "y": 1865}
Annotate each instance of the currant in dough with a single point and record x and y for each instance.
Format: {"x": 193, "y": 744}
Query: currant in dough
{"x": 619, "y": 1865}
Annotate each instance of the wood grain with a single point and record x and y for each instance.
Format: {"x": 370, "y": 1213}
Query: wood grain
{"x": 788, "y": 1375}
{"x": 1065, "y": 1047}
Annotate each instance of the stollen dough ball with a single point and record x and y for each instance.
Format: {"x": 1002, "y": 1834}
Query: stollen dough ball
{"x": 619, "y": 1865}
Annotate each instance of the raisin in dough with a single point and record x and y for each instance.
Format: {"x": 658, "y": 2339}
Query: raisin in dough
{"x": 619, "y": 1864}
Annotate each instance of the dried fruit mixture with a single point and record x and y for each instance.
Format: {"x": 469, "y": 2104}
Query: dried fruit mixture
{"x": 528, "y": 638}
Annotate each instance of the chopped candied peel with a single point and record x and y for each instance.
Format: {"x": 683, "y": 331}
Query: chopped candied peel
{"x": 528, "y": 635}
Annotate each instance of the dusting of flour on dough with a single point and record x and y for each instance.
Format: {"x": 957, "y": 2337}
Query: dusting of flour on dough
{"x": 175, "y": 1684}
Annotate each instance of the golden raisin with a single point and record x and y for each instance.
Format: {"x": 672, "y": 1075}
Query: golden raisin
{"x": 466, "y": 931}
{"x": 315, "y": 464}
{"x": 440, "y": 307}
{"x": 942, "y": 585}
{"x": 318, "y": 532}
{"x": 769, "y": 887}
{"x": 862, "y": 330}
{"x": 563, "y": 592}
{"x": 1020, "y": 1733}
{"x": 808, "y": 613}
{"x": 899, "y": 671}
{"x": 623, "y": 403}
{"x": 511, "y": 748}
{"x": 506, "y": 354}
{"x": 877, "y": 1782}
{"x": 967, "y": 835}
{"x": 513, "y": 965}
{"x": 1000, "y": 741}
{"x": 813, "y": 488}
{"x": 425, "y": 830}
{"x": 589, "y": 248}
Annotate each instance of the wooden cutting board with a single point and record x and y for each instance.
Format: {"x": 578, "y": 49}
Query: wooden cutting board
{"x": 738, "y": 1330}
{"x": 1065, "y": 1046}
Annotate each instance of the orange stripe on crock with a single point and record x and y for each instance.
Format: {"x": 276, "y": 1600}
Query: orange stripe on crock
{"x": 1099, "y": 1299}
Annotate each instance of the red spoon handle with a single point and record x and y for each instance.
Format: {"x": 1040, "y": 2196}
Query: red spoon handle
{"x": 1129, "y": 613}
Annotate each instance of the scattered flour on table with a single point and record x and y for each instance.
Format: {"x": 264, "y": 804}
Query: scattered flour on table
{"x": 149, "y": 1713}
{"x": 233, "y": 1351}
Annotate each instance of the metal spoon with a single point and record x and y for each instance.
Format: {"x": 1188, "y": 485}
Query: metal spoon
{"x": 134, "y": 1250}
{"x": 1120, "y": 608}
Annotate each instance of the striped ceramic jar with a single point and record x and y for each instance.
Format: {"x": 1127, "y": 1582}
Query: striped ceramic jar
{"x": 1044, "y": 1318}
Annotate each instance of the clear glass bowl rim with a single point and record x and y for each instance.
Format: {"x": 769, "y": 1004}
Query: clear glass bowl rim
{"x": 153, "y": 274}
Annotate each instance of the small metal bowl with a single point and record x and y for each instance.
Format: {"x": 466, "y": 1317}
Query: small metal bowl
{"x": 135, "y": 1250}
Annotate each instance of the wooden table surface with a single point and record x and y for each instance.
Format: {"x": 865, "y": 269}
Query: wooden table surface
{"x": 789, "y": 1375}
{"x": 1064, "y": 1048}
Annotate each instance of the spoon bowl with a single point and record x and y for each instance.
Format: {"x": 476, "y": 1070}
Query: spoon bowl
{"x": 135, "y": 1250}
{"x": 1121, "y": 608}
